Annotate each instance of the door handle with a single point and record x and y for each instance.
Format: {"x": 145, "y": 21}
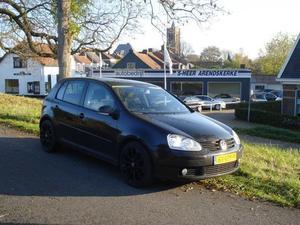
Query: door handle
{"x": 81, "y": 115}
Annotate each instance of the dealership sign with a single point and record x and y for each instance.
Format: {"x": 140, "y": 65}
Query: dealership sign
{"x": 178, "y": 73}
{"x": 207, "y": 73}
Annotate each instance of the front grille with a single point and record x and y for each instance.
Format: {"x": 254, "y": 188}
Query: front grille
{"x": 222, "y": 168}
{"x": 212, "y": 170}
{"x": 215, "y": 145}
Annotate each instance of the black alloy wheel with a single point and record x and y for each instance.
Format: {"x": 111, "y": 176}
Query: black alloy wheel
{"x": 135, "y": 165}
{"x": 47, "y": 136}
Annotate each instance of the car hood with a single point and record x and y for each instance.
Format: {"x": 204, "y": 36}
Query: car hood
{"x": 194, "y": 125}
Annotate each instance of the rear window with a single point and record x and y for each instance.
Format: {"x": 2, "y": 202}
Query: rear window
{"x": 61, "y": 91}
{"x": 74, "y": 92}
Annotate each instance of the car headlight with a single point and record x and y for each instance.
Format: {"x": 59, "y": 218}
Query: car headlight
{"x": 179, "y": 142}
{"x": 236, "y": 138}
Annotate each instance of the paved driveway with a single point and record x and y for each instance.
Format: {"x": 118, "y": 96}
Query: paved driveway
{"x": 71, "y": 188}
{"x": 227, "y": 117}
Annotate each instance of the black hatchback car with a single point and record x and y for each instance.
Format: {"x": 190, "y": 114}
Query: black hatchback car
{"x": 139, "y": 127}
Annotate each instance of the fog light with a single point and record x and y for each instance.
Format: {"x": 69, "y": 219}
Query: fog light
{"x": 184, "y": 171}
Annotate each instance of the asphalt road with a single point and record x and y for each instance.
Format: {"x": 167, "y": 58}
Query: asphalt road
{"x": 71, "y": 188}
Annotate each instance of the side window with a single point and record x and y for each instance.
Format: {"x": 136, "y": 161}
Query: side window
{"x": 74, "y": 92}
{"x": 97, "y": 96}
{"x": 60, "y": 93}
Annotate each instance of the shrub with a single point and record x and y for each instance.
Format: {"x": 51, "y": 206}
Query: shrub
{"x": 274, "y": 106}
{"x": 268, "y": 118}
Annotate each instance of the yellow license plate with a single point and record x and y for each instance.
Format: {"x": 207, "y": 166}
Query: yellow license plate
{"x": 220, "y": 159}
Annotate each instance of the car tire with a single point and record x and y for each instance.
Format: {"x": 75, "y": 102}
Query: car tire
{"x": 217, "y": 107}
{"x": 48, "y": 137}
{"x": 199, "y": 109}
{"x": 136, "y": 165}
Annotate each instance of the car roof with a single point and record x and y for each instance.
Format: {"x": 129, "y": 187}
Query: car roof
{"x": 201, "y": 95}
{"x": 111, "y": 81}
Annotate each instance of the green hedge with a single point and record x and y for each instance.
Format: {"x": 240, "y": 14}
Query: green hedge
{"x": 274, "y": 106}
{"x": 268, "y": 118}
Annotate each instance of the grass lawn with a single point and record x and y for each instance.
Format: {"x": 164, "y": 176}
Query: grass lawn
{"x": 266, "y": 172}
{"x": 20, "y": 112}
{"x": 269, "y": 173}
{"x": 272, "y": 133}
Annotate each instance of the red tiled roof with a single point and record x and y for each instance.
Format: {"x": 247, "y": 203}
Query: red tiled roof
{"x": 82, "y": 59}
{"x": 147, "y": 60}
{"x": 46, "y": 61}
{"x": 156, "y": 59}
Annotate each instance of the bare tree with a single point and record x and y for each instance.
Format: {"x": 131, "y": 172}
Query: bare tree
{"x": 186, "y": 49}
{"x": 67, "y": 26}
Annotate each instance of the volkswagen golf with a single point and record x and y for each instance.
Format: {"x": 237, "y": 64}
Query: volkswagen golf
{"x": 139, "y": 127}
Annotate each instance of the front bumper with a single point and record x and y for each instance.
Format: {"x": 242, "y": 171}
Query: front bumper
{"x": 198, "y": 166}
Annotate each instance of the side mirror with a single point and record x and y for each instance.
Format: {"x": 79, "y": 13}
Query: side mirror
{"x": 110, "y": 111}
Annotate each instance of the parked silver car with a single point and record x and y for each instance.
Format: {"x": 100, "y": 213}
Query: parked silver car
{"x": 227, "y": 98}
{"x": 194, "y": 103}
{"x": 264, "y": 97}
{"x": 209, "y": 102}
{"x": 199, "y": 102}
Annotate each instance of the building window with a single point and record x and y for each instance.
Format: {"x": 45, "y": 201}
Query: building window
{"x": 19, "y": 62}
{"x": 130, "y": 65}
{"x": 33, "y": 87}
{"x": 232, "y": 89}
{"x": 186, "y": 88}
{"x": 12, "y": 86}
{"x": 259, "y": 87}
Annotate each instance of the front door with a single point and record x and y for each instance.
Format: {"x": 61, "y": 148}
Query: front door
{"x": 100, "y": 129}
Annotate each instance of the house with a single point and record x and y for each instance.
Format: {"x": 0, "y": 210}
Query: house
{"x": 260, "y": 82}
{"x": 149, "y": 59}
{"x": 34, "y": 75}
{"x": 83, "y": 63}
{"x": 289, "y": 76}
{"x": 123, "y": 49}
{"x": 108, "y": 61}
{"x": 31, "y": 76}
{"x": 136, "y": 60}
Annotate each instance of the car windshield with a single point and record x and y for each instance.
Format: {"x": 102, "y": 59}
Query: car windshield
{"x": 148, "y": 99}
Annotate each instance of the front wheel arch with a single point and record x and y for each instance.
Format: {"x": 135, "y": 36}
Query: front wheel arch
{"x": 129, "y": 172}
{"x": 132, "y": 139}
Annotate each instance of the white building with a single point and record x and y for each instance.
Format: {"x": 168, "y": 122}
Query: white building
{"x": 32, "y": 76}
{"x": 260, "y": 83}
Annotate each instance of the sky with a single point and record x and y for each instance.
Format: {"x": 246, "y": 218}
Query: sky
{"x": 249, "y": 25}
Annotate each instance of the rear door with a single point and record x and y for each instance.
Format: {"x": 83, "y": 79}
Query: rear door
{"x": 68, "y": 111}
